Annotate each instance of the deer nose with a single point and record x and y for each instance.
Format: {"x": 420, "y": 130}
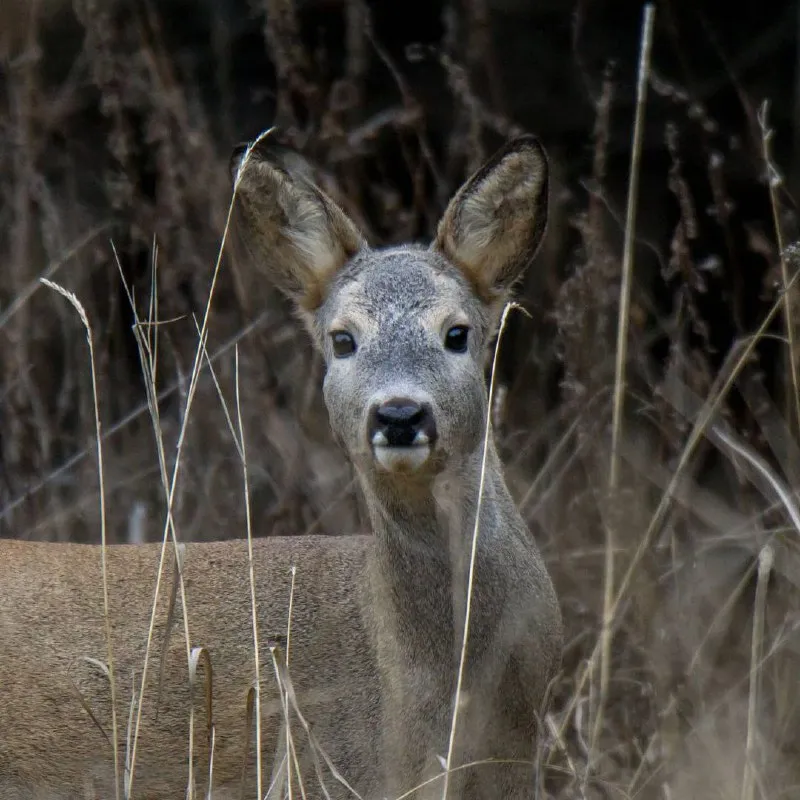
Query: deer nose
{"x": 401, "y": 422}
{"x": 399, "y": 411}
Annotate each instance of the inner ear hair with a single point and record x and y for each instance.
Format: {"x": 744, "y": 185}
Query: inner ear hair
{"x": 493, "y": 226}
{"x": 287, "y": 226}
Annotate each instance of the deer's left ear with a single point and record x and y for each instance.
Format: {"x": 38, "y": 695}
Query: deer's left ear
{"x": 494, "y": 224}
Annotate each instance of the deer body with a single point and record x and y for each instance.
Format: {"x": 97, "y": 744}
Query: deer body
{"x": 377, "y": 621}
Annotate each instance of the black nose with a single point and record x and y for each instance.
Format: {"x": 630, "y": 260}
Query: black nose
{"x": 402, "y": 422}
{"x": 400, "y": 411}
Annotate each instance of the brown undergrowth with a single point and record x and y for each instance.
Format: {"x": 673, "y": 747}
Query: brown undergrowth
{"x": 113, "y": 158}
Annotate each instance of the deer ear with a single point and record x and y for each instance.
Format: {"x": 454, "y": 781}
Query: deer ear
{"x": 494, "y": 224}
{"x": 291, "y": 230}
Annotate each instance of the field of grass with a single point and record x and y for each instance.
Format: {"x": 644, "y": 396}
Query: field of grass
{"x": 660, "y": 478}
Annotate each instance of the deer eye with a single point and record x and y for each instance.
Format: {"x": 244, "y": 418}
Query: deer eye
{"x": 456, "y": 338}
{"x": 344, "y": 344}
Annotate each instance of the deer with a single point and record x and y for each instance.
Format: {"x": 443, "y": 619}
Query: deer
{"x": 362, "y": 647}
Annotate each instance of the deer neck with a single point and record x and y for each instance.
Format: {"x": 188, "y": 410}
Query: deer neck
{"x": 423, "y": 538}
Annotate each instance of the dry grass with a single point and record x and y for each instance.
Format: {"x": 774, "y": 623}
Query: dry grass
{"x": 448, "y": 764}
{"x": 691, "y": 607}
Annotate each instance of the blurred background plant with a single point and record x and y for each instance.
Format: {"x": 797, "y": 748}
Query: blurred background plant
{"x": 117, "y": 119}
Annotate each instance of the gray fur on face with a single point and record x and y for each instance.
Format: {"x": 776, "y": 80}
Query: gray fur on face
{"x": 398, "y": 305}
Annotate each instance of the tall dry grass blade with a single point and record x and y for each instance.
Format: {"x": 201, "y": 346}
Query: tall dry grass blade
{"x": 285, "y": 684}
{"x": 239, "y": 442}
{"x": 739, "y": 356}
{"x": 76, "y": 304}
{"x": 282, "y": 681}
{"x": 288, "y": 754}
{"x": 484, "y": 762}
{"x": 291, "y": 750}
{"x": 715, "y": 625}
{"x": 561, "y": 746}
{"x": 761, "y": 468}
{"x": 765, "y": 560}
{"x": 567, "y": 442}
{"x": 729, "y": 443}
{"x": 275, "y": 788}
{"x": 153, "y": 317}
{"x": 22, "y": 297}
{"x": 84, "y": 701}
{"x": 774, "y": 180}
{"x": 251, "y": 567}
{"x": 67, "y": 466}
{"x": 221, "y": 395}
{"x": 289, "y": 742}
{"x": 129, "y": 733}
{"x": 285, "y": 758}
{"x": 170, "y": 617}
{"x": 198, "y": 655}
{"x": 293, "y": 569}
{"x": 209, "y": 789}
{"x": 290, "y": 759}
{"x": 774, "y": 428}
{"x": 249, "y": 706}
{"x": 606, "y": 635}
{"x": 182, "y": 437}
{"x": 623, "y": 319}
{"x": 147, "y": 345}
{"x": 473, "y": 553}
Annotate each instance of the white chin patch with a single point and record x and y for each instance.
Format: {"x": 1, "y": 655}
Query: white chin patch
{"x": 401, "y": 459}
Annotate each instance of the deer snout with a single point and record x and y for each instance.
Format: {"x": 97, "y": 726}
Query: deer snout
{"x": 402, "y": 422}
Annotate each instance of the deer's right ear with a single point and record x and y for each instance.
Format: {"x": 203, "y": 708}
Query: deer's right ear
{"x": 292, "y": 231}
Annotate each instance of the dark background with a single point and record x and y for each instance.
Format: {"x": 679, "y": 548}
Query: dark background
{"x": 117, "y": 120}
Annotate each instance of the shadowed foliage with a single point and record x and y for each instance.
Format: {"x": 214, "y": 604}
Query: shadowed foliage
{"x": 117, "y": 120}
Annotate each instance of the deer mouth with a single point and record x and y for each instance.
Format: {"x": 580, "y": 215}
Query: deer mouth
{"x": 402, "y": 433}
{"x": 405, "y": 456}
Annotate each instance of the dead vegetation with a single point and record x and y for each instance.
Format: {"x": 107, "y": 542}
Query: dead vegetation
{"x": 113, "y": 132}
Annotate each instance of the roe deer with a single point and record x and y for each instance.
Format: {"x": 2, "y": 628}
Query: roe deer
{"x": 377, "y": 621}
